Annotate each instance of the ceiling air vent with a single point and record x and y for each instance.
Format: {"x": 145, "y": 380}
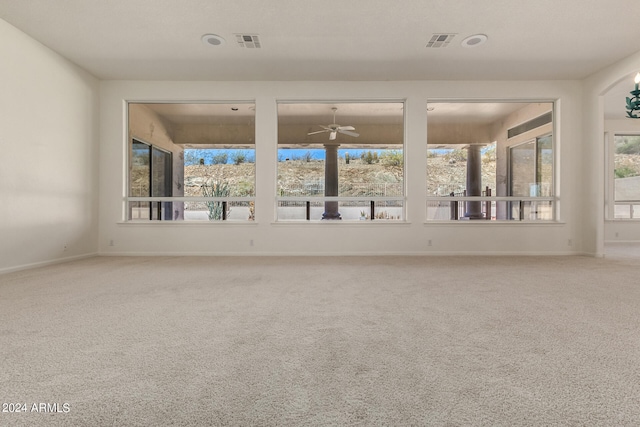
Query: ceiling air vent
{"x": 250, "y": 41}
{"x": 440, "y": 40}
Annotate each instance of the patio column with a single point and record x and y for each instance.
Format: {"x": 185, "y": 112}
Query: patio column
{"x": 473, "y": 210}
{"x": 331, "y": 181}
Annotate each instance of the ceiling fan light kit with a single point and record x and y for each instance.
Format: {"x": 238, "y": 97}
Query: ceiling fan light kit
{"x": 334, "y": 129}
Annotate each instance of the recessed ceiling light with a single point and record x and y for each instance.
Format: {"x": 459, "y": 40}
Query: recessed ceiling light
{"x": 474, "y": 40}
{"x": 212, "y": 40}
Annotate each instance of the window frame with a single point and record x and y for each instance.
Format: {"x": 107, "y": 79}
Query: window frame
{"x": 370, "y": 201}
{"x": 610, "y": 193}
{"x": 129, "y": 136}
{"x": 555, "y": 144}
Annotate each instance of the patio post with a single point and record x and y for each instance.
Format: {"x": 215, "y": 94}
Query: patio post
{"x": 331, "y": 181}
{"x": 473, "y": 209}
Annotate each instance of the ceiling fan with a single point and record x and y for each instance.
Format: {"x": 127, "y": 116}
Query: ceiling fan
{"x": 334, "y": 128}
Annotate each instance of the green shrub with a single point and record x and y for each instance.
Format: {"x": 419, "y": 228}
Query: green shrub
{"x": 239, "y": 157}
{"x": 220, "y": 158}
{"x": 629, "y": 145}
{"x": 369, "y": 157}
{"x": 625, "y": 172}
{"x": 243, "y": 189}
{"x": 392, "y": 158}
{"x": 459, "y": 155}
{"x": 192, "y": 157}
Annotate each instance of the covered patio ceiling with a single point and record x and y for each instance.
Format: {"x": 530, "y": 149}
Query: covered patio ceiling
{"x": 379, "y": 124}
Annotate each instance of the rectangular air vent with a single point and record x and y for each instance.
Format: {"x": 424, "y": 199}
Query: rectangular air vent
{"x": 250, "y": 41}
{"x": 530, "y": 125}
{"x": 440, "y": 40}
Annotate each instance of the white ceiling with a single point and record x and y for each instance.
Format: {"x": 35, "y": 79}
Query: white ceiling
{"x": 332, "y": 39}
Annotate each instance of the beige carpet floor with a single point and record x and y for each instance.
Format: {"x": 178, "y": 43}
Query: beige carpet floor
{"x": 356, "y": 341}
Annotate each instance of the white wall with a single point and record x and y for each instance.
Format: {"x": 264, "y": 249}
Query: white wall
{"x": 595, "y": 229}
{"x": 48, "y": 161}
{"x": 411, "y": 237}
{"x": 49, "y": 167}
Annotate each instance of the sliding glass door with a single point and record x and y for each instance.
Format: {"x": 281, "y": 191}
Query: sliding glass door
{"x": 531, "y": 175}
{"x": 151, "y": 176}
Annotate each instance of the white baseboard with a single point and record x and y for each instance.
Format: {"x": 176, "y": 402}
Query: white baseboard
{"x": 46, "y": 263}
{"x": 289, "y": 254}
{"x": 339, "y": 254}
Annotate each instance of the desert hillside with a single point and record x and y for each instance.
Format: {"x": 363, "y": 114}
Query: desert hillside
{"x": 294, "y": 174}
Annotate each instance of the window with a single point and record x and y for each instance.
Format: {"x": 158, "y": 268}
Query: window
{"x": 626, "y": 176}
{"x": 490, "y": 161}
{"x": 340, "y": 161}
{"x": 219, "y": 173}
{"x": 192, "y": 162}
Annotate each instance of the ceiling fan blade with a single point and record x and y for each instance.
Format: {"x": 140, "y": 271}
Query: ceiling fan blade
{"x": 346, "y": 128}
{"x": 332, "y": 135}
{"x": 346, "y": 132}
{"x": 319, "y": 131}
